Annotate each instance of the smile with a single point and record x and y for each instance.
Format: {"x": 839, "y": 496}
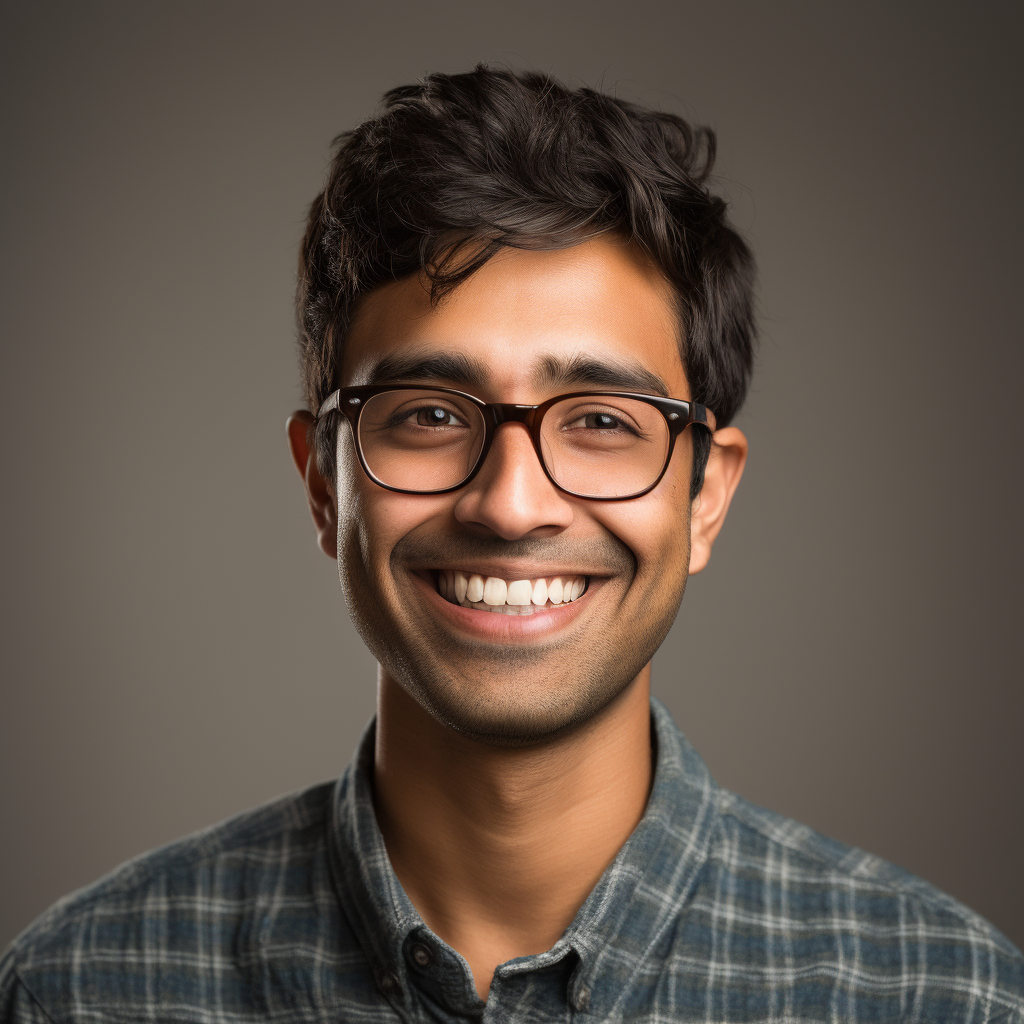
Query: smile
{"x": 508, "y": 597}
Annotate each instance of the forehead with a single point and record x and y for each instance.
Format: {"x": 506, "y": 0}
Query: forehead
{"x": 524, "y": 313}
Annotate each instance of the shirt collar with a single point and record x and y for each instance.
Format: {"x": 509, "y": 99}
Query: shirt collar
{"x": 635, "y": 901}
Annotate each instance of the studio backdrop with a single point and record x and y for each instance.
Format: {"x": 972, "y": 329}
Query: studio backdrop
{"x": 176, "y": 649}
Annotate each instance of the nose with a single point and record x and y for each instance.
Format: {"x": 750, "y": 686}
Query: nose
{"x": 511, "y": 494}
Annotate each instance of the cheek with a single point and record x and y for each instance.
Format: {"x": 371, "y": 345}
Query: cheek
{"x": 372, "y": 519}
{"x": 369, "y": 526}
{"x": 658, "y": 535}
{"x": 350, "y": 478}
{"x": 656, "y": 527}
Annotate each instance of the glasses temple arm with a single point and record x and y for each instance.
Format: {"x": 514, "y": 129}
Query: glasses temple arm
{"x": 330, "y": 404}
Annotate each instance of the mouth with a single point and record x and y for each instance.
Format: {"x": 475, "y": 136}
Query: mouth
{"x": 508, "y": 597}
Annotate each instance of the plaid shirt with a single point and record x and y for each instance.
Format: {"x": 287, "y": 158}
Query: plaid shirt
{"x": 714, "y": 910}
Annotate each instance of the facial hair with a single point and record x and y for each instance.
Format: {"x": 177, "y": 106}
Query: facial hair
{"x": 504, "y": 694}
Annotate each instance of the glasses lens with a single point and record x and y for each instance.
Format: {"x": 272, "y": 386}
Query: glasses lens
{"x": 420, "y": 440}
{"x": 598, "y": 446}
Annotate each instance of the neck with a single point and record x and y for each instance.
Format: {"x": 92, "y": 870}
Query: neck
{"x": 497, "y": 847}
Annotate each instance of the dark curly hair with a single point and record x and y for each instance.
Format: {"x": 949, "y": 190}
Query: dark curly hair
{"x": 459, "y": 166}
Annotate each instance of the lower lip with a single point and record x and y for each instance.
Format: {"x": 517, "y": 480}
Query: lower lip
{"x": 498, "y": 626}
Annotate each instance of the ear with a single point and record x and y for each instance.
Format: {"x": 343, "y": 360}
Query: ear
{"x": 319, "y": 493}
{"x": 721, "y": 478}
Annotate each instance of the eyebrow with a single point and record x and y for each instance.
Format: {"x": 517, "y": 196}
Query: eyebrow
{"x": 554, "y": 372}
{"x": 427, "y": 368}
{"x": 579, "y": 371}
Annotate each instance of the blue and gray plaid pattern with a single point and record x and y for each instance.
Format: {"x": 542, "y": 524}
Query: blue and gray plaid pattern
{"x": 714, "y": 910}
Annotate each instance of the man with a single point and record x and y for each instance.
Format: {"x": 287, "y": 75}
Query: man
{"x": 525, "y": 328}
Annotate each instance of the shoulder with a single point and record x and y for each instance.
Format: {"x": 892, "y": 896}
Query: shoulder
{"x": 877, "y": 924}
{"x": 781, "y": 846}
{"x": 165, "y": 920}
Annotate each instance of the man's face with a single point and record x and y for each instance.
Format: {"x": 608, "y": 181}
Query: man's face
{"x": 591, "y": 310}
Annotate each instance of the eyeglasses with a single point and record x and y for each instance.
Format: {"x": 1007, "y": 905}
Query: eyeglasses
{"x": 604, "y": 445}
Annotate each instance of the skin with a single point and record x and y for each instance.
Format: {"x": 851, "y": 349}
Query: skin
{"x": 513, "y": 756}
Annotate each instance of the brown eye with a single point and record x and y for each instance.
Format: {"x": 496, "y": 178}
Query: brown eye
{"x": 599, "y": 421}
{"x": 436, "y": 416}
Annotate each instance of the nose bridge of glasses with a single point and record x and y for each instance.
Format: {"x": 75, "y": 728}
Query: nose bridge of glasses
{"x": 511, "y": 413}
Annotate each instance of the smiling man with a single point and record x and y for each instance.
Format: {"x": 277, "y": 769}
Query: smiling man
{"x": 525, "y": 327}
{"x": 514, "y": 547}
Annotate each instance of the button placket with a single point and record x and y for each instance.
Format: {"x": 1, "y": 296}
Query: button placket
{"x": 581, "y": 1000}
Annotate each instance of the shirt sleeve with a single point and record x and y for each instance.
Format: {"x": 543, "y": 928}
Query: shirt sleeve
{"x": 17, "y": 1004}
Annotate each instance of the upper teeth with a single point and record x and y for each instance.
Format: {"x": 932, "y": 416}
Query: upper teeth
{"x": 515, "y": 597}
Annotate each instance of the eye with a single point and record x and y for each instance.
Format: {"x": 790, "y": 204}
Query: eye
{"x": 601, "y": 421}
{"x": 596, "y": 421}
{"x": 437, "y": 416}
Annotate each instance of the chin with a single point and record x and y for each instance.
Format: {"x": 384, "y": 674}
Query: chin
{"x": 494, "y": 707}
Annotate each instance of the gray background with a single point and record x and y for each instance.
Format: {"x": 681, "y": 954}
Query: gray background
{"x": 175, "y": 647}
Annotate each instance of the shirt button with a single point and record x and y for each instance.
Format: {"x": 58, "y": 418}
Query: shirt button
{"x": 582, "y": 1000}
{"x": 389, "y": 984}
{"x": 421, "y": 955}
